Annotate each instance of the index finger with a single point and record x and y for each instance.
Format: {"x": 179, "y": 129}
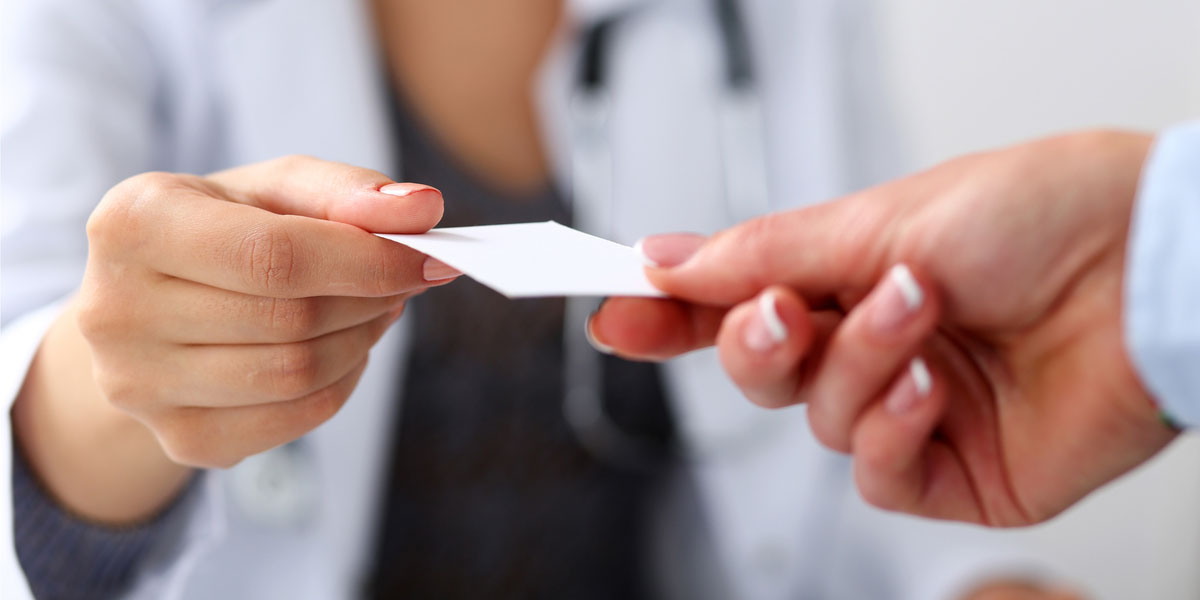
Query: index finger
{"x": 179, "y": 230}
{"x": 652, "y": 328}
{"x": 818, "y": 251}
{"x": 309, "y": 187}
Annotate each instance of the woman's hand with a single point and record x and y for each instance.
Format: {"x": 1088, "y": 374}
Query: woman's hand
{"x": 986, "y": 380}
{"x": 226, "y": 314}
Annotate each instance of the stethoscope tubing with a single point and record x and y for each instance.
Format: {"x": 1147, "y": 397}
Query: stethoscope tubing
{"x": 592, "y": 178}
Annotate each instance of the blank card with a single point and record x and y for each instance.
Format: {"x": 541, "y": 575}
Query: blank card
{"x": 527, "y": 260}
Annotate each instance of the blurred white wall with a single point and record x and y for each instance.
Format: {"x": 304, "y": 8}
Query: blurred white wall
{"x": 969, "y": 75}
{"x": 972, "y": 75}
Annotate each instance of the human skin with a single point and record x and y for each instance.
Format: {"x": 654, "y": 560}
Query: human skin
{"x": 203, "y": 334}
{"x": 218, "y": 317}
{"x": 466, "y": 70}
{"x": 986, "y": 380}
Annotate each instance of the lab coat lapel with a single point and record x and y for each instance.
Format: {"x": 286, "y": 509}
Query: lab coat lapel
{"x": 286, "y": 61}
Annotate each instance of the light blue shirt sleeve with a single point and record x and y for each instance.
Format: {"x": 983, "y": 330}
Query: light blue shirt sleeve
{"x": 1162, "y": 280}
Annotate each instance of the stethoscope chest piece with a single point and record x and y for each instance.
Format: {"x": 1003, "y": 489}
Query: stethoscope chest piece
{"x": 276, "y": 488}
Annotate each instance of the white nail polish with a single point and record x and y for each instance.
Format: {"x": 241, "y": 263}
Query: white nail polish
{"x": 921, "y": 376}
{"x": 769, "y": 311}
{"x": 909, "y": 288}
{"x": 396, "y": 189}
{"x": 587, "y": 330}
{"x": 404, "y": 189}
{"x": 637, "y": 249}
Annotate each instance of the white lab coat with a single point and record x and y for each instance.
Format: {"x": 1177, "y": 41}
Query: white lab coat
{"x": 97, "y": 91}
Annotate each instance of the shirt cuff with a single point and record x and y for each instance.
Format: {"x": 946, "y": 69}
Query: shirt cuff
{"x": 66, "y": 557}
{"x": 1162, "y": 283}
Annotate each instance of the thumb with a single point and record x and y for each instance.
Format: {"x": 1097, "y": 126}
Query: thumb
{"x": 818, "y": 251}
{"x": 309, "y": 187}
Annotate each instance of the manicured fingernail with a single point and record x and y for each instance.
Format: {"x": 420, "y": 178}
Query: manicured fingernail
{"x": 669, "y": 249}
{"x": 404, "y": 189}
{"x": 920, "y": 376}
{"x": 436, "y": 270}
{"x": 765, "y": 330}
{"x": 587, "y": 330}
{"x": 912, "y": 389}
{"x": 897, "y": 299}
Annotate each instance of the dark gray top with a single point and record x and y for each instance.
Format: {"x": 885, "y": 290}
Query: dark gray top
{"x": 490, "y": 493}
{"x": 65, "y": 557}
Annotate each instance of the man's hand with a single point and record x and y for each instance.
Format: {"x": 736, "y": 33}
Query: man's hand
{"x": 959, "y": 331}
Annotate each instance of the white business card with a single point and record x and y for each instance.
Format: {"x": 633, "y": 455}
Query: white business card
{"x": 527, "y": 260}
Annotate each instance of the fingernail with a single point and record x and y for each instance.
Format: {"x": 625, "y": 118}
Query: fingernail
{"x": 404, "y": 189}
{"x": 587, "y": 330}
{"x": 765, "y": 330}
{"x": 912, "y": 389}
{"x": 669, "y": 249}
{"x": 436, "y": 270}
{"x": 898, "y": 298}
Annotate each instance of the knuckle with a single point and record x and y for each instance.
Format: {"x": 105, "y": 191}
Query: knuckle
{"x": 123, "y": 208}
{"x": 388, "y": 272}
{"x": 359, "y": 177}
{"x": 756, "y": 235}
{"x": 184, "y": 444}
{"x": 294, "y": 370}
{"x": 196, "y": 453}
{"x": 177, "y": 440}
{"x": 825, "y": 429}
{"x": 754, "y": 239}
{"x": 874, "y": 490}
{"x": 768, "y": 399}
{"x": 267, "y": 258}
{"x": 100, "y": 317}
{"x": 221, "y": 458}
{"x": 386, "y": 275}
{"x": 323, "y": 405}
{"x": 762, "y": 239}
{"x": 291, "y": 319}
{"x": 398, "y": 312}
{"x": 183, "y": 451}
{"x": 120, "y": 390}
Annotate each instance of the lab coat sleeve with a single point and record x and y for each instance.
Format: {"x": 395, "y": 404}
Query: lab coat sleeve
{"x": 79, "y": 114}
{"x": 1162, "y": 283}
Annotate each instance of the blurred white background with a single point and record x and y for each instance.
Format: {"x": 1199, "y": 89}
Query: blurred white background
{"x": 972, "y": 75}
{"x": 969, "y": 75}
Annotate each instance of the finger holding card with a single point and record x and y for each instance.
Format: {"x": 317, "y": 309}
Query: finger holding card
{"x": 653, "y": 329}
{"x": 529, "y": 260}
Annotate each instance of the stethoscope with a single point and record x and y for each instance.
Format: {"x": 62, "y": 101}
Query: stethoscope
{"x": 746, "y": 195}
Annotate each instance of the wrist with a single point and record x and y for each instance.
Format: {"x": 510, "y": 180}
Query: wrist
{"x": 96, "y": 461}
{"x": 1154, "y": 427}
